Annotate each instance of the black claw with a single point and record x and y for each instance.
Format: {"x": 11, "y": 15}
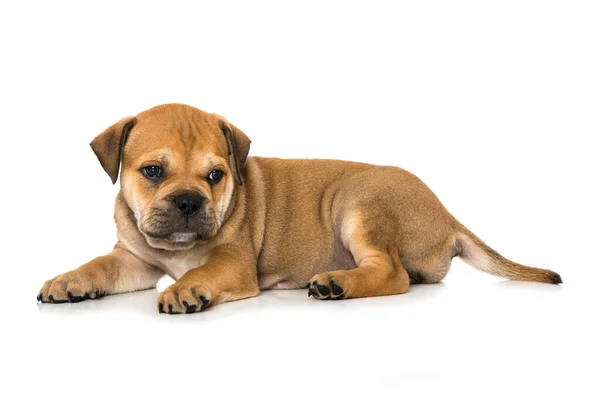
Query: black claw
{"x": 336, "y": 289}
{"x": 51, "y": 299}
{"x": 189, "y": 308}
{"x": 324, "y": 290}
{"x": 160, "y": 308}
{"x": 205, "y": 302}
{"x": 75, "y": 299}
{"x": 39, "y": 298}
{"x": 170, "y": 308}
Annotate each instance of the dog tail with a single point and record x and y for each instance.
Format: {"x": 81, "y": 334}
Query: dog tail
{"x": 481, "y": 256}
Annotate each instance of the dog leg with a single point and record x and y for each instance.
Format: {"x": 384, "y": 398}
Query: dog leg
{"x": 377, "y": 274}
{"x": 379, "y": 270}
{"x": 229, "y": 274}
{"x": 117, "y": 272}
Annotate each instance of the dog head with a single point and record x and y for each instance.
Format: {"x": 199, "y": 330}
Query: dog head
{"x": 179, "y": 170}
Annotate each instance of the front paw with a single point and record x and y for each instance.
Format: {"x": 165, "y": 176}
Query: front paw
{"x": 182, "y": 298}
{"x": 71, "y": 287}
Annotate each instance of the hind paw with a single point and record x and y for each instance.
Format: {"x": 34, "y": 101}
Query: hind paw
{"x": 326, "y": 287}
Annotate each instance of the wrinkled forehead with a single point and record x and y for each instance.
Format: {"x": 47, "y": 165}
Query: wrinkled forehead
{"x": 176, "y": 132}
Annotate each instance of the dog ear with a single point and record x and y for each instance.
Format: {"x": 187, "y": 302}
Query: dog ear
{"x": 108, "y": 146}
{"x": 238, "y": 145}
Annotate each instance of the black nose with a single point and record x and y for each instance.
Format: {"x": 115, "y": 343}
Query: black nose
{"x": 188, "y": 203}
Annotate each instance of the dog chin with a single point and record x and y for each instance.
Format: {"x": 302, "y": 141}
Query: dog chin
{"x": 182, "y": 237}
{"x": 174, "y": 241}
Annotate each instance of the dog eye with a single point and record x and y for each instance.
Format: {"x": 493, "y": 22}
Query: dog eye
{"x": 152, "y": 172}
{"x": 215, "y": 176}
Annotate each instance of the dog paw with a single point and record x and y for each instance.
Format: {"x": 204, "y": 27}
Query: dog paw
{"x": 183, "y": 299}
{"x": 326, "y": 287}
{"x": 71, "y": 287}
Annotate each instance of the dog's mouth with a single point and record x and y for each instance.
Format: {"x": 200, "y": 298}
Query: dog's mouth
{"x": 179, "y": 238}
{"x": 182, "y": 237}
{"x": 169, "y": 229}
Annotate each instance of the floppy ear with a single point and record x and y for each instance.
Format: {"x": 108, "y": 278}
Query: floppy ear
{"x": 238, "y": 145}
{"x": 108, "y": 146}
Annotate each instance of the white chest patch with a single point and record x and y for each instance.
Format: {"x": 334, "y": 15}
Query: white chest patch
{"x": 176, "y": 267}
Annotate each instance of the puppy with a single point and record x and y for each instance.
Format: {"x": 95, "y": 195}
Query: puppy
{"x": 193, "y": 205}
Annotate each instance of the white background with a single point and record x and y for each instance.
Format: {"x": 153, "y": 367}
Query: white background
{"x": 493, "y": 104}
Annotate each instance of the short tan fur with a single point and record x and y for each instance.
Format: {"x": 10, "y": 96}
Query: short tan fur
{"x": 341, "y": 229}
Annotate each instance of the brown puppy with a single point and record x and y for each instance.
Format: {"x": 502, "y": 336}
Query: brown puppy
{"x": 224, "y": 226}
